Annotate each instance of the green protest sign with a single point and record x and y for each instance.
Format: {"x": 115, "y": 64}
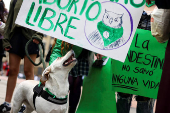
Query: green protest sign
{"x": 97, "y": 95}
{"x": 140, "y": 74}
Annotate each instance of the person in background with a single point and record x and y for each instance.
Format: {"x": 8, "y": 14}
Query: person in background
{"x": 4, "y": 67}
{"x": 15, "y": 39}
{"x": 75, "y": 76}
{"x": 144, "y": 104}
{"x": 7, "y": 70}
{"x": 163, "y": 99}
{"x": 3, "y": 17}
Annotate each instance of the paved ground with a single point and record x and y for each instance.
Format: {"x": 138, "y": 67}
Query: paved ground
{"x": 3, "y": 82}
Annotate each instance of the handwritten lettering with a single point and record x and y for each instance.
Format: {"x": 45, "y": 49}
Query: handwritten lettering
{"x": 143, "y": 71}
{"x": 145, "y": 44}
{"x": 123, "y": 79}
{"x": 126, "y": 67}
{"x": 60, "y": 21}
{"x": 132, "y": 3}
{"x": 147, "y": 59}
{"x": 151, "y": 84}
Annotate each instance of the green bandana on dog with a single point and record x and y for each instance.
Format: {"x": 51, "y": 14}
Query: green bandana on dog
{"x": 113, "y": 33}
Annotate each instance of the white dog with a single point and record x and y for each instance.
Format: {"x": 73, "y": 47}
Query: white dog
{"x": 55, "y": 78}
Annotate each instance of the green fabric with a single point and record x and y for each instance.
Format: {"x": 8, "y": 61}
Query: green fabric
{"x": 53, "y": 94}
{"x": 50, "y": 92}
{"x": 56, "y": 52}
{"x": 152, "y": 3}
{"x": 97, "y": 95}
{"x": 11, "y": 26}
{"x": 114, "y": 33}
{"x": 39, "y": 84}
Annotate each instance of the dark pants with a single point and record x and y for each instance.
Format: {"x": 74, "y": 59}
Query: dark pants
{"x": 144, "y": 105}
{"x": 75, "y": 91}
{"x": 163, "y": 100}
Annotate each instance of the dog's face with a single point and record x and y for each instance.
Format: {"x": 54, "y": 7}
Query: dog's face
{"x": 64, "y": 63}
{"x": 60, "y": 67}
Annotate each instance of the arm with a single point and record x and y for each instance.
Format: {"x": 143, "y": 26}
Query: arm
{"x": 8, "y": 26}
{"x": 99, "y": 56}
{"x": 39, "y": 36}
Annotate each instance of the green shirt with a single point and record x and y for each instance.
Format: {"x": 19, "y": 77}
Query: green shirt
{"x": 56, "y": 52}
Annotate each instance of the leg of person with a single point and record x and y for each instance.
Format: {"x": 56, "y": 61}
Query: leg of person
{"x": 0, "y": 65}
{"x": 77, "y": 90}
{"x": 14, "y": 63}
{"x": 29, "y": 67}
{"x": 75, "y": 93}
{"x": 145, "y": 105}
{"x": 71, "y": 94}
{"x": 123, "y": 102}
{"x": 29, "y": 73}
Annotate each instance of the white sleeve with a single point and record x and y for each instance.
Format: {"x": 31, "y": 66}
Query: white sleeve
{"x": 2, "y": 26}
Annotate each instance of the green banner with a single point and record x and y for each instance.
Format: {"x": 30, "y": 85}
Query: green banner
{"x": 140, "y": 74}
{"x": 97, "y": 95}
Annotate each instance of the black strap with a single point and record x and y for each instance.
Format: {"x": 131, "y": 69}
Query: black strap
{"x": 38, "y": 91}
{"x": 45, "y": 95}
{"x": 34, "y": 97}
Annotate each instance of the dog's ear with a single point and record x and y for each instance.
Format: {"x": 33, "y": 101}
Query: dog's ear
{"x": 44, "y": 79}
{"x": 45, "y": 75}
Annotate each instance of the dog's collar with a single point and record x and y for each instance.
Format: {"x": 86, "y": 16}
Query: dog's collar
{"x": 47, "y": 90}
{"x": 47, "y": 95}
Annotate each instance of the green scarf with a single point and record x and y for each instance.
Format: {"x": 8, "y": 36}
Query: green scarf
{"x": 152, "y": 3}
{"x": 114, "y": 33}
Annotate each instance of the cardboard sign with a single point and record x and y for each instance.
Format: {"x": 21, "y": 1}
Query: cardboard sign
{"x": 140, "y": 74}
{"x": 105, "y": 27}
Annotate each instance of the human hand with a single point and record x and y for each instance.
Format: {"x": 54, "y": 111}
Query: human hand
{"x": 36, "y": 41}
{"x": 8, "y": 48}
{"x": 99, "y": 56}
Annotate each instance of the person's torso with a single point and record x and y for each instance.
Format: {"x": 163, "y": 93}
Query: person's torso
{"x": 14, "y": 27}
{"x": 144, "y": 22}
